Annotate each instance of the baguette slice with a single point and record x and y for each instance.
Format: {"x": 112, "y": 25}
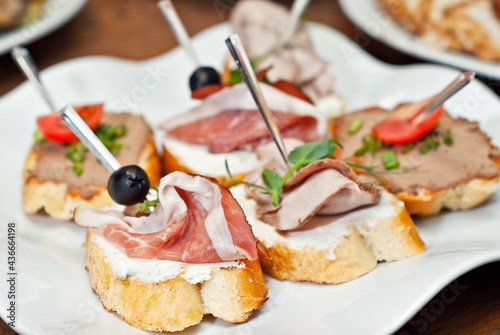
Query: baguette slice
{"x": 56, "y": 197}
{"x": 336, "y": 249}
{"x": 444, "y": 178}
{"x": 165, "y": 296}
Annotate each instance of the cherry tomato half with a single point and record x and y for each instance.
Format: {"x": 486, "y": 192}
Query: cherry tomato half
{"x": 406, "y": 124}
{"x": 203, "y": 92}
{"x": 53, "y": 128}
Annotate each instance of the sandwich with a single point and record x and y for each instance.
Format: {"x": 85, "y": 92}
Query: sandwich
{"x": 326, "y": 224}
{"x": 60, "y": 173}
{"x": 227, "y": 126}
{"x": 195, "y": 254}
{"x": 450, "y": 164}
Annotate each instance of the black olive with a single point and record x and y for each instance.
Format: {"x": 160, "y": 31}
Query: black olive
{"x": 204, "y": 76}
{"x": 128, "y": 185}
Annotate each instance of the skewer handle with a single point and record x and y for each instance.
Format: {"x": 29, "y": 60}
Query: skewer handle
{"x": 27, "y": 66}
{"x": 87, "y": 136}
{"x": 173, "y": 19}
{"x": 245, "y": 67}
{"x": 298, "y": 8}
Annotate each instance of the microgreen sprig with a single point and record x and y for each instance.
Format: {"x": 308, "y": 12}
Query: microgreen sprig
{"x": 300, "y": 156}
{"x": 146, "y": 204}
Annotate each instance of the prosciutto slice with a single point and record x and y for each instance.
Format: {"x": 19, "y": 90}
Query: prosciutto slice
{"x": 196, "y": 221}
{"x": 324, "y": 187}
{"x": 228, "y": 120}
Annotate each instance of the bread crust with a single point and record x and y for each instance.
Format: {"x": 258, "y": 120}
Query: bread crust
{"x": 174, "y": 304}
{"x": 56, "y": 200}
{"x": 352, "y": 246}
{"x": 172, "y": 163}
{"x": 464, "y": 196}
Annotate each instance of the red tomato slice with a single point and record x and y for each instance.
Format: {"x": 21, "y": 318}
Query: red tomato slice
{"x": 203, "y": 92}
{"x": 497, "y": 7}
{"x": 53, "y": 128}
{"x": 405, "y": 125}
{"x": 291, "y": 89}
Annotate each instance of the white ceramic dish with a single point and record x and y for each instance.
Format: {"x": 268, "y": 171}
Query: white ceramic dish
{"x": 54, "y": 14}
{"x": 54, "y": 293}
{"x": 367, "y": 15}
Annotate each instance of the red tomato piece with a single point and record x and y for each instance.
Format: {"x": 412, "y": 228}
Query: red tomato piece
{"x": 291, "y": 89}
{"x": 203, "y": 92}
{"x": 407, "y": 124}
{"x": 53, "y": 128}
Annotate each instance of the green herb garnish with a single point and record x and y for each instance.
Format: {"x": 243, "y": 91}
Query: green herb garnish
{"x": 424, "y": 149}
{"x": 390, "y": 160}
{"x": 408, "y": 146}
{"x": 144, "y": 206}
{"x": 447, "y": 138}
{"x": 371, "y": 142}
{"x": 431, "y": 143}
{"x": 361, "y": 151}
{"x": 109, "y": 136}
{"x": 355, "y": 126}
{"x": 300, "y": 156}
{"x": 38, "y": 136}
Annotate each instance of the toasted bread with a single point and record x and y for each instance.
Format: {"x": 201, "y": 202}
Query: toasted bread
{"x": 56, "y": 197}
{"x": 336, "y": 249}
{"x": 176, "y": 299}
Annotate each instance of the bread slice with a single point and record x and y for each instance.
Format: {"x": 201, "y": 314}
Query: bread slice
{"x": 336, "y": 249}
{"x": 58, "y": 199}
{"x": 169, "y": 296}
{"x": 444, "y": 178}
{"x": 195, "y": 160}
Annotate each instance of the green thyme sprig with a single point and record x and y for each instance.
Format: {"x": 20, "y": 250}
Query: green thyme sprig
{"x": 300, "y": 156}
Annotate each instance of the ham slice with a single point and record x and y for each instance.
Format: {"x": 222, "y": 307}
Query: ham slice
{"x": 228, "y": 120}
{"x": 233, "y": 129}
{"x": 259, "y": 25}
{"x": 324, "y": 187}
{"x": 196, "y": 221}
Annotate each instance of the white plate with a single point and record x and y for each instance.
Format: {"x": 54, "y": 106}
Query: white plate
{"x": 55, "y": 13}
{"x": 54, "y": 293}
{"x": 367, "y": 15}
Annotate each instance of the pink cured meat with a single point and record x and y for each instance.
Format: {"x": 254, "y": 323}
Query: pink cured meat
{"x": 184, "y": 238}
{"x": 235, "y": 128}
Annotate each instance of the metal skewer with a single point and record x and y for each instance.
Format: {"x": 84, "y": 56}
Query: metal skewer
{"x": 456, "y": 85}
{"x": 173, "y": 19}
{"x": 23, "y": 59}
{"x": 298, "y": 8}
{"x": 248, "y": 75}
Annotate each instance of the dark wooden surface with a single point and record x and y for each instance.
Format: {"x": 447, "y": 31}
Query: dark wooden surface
{"x": 135, "y": 29}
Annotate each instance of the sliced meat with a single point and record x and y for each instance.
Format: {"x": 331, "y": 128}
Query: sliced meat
{"x": 324, "y": 187}
{"x": 260, "y": 24}
{"x": 228, "y": 120}
{"x": 196, "y": 221}
{"x": 232, "y": 129}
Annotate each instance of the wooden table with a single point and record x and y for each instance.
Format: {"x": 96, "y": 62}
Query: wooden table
{"x": 135, "y": 29}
